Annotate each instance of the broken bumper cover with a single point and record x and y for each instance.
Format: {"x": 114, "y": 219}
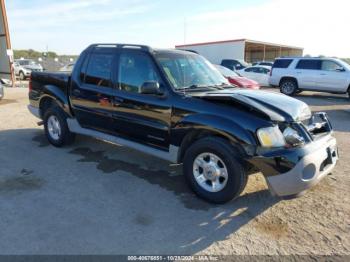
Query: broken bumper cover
{"x": 308, "y": 171}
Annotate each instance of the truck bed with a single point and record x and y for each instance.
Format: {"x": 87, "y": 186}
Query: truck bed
{"x": 40, "y": 79}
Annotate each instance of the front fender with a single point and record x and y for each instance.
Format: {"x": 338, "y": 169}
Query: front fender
{"x": 216, "y": 124}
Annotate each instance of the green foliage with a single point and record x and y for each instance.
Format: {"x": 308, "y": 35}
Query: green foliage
{"x": 32, "y": 54}
{"x": 346, "y": 60}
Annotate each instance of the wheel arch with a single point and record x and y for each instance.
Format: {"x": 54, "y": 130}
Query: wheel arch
{"x": 208, "y": 126}
{"x": 284, "y": 78}
{"x": 54, "y": 95}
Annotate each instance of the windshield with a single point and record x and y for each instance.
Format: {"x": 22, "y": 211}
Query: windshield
{"x": 225, "y": 71}
{"x": 185, "y": 70}
{"x": 27, "y": 62}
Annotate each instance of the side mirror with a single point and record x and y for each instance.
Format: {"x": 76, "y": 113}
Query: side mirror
{"x": 341, "y": 69}
{"x": 150, "y": 88}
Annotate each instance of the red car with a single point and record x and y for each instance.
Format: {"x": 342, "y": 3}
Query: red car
{"x": 236, "y": 79}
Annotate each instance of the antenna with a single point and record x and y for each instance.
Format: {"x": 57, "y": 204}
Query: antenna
{"x": 185, "y": 35}
{"x": 185, "y": 29}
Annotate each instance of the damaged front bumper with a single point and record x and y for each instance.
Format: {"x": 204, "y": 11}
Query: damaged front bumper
{"x": 291, "y": 171}
{"x": 308, "y": 171}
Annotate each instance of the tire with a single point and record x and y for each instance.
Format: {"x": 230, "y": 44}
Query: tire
{"x": 289, "y": 87}
{"x": 56, "y": 128}
{"x": 22, "y": 76}
{"x": 236, "y": 177}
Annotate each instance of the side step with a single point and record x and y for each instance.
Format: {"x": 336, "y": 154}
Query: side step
{"x": 170, "y": 155}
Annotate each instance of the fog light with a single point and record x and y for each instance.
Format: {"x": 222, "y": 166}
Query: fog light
{"x": 309, "y": 171}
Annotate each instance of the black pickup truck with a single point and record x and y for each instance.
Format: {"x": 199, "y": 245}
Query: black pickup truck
{"x": 175, "y": 105}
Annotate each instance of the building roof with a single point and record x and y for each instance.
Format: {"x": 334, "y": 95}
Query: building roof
{"x": 239, "y": 40}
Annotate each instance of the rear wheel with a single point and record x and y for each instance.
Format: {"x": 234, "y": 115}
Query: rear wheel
{"x": 288, "y": 87}
{"x": 212, "y": 170}
{"x": 56, "y": 128}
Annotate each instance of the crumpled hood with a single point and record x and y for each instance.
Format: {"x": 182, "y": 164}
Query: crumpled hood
{"x": 277, "y": 107}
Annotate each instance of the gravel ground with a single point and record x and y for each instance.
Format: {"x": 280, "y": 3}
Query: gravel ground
{"x": 96, "y": 198}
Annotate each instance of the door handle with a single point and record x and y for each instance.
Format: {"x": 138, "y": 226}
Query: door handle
{"x": 117, "y": 101}
{"x": 76, "y": 92}
{"x": 323, "y": 74}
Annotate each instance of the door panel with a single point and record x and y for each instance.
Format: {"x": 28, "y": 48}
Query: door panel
{"x": 144, "y": 118}
{"x": 306, "y": 73}
{"x": 93, "y": 107}
{"x": 331, "y": 78}
{"x": 141, "y": 117}
{"x": 92, "y": 99}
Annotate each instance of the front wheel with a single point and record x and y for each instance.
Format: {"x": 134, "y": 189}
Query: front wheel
{"x": 22, "y": 76}
{"x": 212, "y": 170}
{"x": 56, "y": 128}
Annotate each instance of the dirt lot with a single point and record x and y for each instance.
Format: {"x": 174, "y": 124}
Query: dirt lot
{"x": 96, "y": 198}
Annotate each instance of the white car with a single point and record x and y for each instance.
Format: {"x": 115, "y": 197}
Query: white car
{"x": 294, "y": 75}
{"x": 263, "y": 63}
{"x": 260, "y": 74}
{"x": 24, "y": 67}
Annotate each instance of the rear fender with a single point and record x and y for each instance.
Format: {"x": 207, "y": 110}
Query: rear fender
{"x": 58, "y": 96}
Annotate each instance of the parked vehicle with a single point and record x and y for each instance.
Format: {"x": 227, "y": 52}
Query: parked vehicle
{"x": 259, "y": 74}
{"x": 173, "y": 105}
{"x": 67, "y": 68}
{"x": 263, "y": 63}
{"x": 5, "y": 82}
{"x": 1, "y": 91}
{"x": 294, "y": 75}
{"x": 236, "y": 79}
{"x": 234, "y": 64}
{"x": 24, "y": 67}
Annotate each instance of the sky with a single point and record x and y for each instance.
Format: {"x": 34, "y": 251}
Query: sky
{"x": 67, "y": 27}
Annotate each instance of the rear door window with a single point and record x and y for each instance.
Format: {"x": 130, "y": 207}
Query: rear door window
{"x": 98, "y": 72}
{"x": 252, "y": 69}
{"x": 282, "y": 63}
{"x": 309, "y": 64}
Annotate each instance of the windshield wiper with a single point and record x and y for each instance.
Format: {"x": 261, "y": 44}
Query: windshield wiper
{"x": 191, "y": 87}
{"x": 201, "y": 87}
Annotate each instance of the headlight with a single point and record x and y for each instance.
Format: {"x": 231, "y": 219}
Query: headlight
{"x": 292, "y": 137}
{"x": 271, "y": 137}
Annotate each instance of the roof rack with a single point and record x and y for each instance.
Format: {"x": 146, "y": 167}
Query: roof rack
{"x": 132, "y": 46}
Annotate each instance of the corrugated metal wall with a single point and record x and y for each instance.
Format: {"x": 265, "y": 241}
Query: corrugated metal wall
{"x": 5, "y": 69}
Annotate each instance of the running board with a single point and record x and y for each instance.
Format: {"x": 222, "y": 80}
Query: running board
{"x": 171, "y": 155}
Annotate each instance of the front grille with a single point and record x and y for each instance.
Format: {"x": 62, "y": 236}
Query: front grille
{"x": 318, "y": 124}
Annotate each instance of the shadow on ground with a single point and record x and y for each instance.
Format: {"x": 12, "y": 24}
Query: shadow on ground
{"x": 322, "y": 99}
{"x": 149, "y": 220}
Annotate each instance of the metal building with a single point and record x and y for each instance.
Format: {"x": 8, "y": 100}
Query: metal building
{"x": 5, "y": 45}
{"x": 243, "y": 49}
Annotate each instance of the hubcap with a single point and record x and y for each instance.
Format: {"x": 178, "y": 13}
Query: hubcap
{"x": 54, "y": 127}
{"x": 288, "y": 87}
{"x": 210, "y": 172}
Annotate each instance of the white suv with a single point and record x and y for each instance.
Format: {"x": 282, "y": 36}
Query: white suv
{"x": 294, "y": 75}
